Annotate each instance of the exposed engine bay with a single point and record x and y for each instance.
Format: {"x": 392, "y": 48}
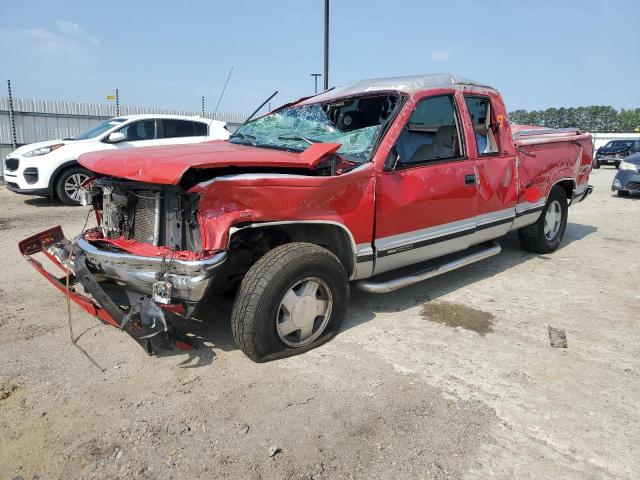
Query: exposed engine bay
{"x": 152, "y": 214}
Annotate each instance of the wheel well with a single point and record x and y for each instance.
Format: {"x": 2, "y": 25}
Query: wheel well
{"x": 568, "y": 186}
{"x": 59, "y": 171}
{"x": 247, "y": 245}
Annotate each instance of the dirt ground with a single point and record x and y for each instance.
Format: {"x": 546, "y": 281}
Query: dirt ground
{"x": 451, "y": 378}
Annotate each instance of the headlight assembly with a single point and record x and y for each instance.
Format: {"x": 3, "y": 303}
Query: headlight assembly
{"x": 43, "y": 150}
{"x": 628, "y": 166}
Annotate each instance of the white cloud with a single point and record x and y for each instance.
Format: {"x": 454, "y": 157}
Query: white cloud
{"x": 439, "y": 56}
{"x": 69, "y": 28}
{"x": 67, "y": 40}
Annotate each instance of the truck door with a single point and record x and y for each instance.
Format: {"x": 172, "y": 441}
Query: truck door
{"x": 495, "y": 162}
{"x": 426, "y": 200}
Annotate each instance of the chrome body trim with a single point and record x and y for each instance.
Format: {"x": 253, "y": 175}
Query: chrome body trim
{"x": 373, "y": 286}
{"x": 190, "y": 278}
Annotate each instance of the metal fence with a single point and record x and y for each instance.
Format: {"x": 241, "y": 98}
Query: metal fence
{"x": 40, "y": 120}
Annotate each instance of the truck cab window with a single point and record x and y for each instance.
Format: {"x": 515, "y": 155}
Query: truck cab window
{"x": 432, "y": 133}
{"x": 484, "y": 127}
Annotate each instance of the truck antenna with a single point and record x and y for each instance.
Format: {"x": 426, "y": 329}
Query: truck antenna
{"x": 257, "y": 110}
{"x": 222, "y": 93}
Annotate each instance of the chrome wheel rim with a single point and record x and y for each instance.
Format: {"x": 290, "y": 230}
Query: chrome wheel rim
{"x": 552, "y": 220}
{"x": 72, "y": 185}
{"x": 304, "y": 312}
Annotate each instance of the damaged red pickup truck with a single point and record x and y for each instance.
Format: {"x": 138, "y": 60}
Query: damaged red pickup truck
{"x": 382, "y": 183}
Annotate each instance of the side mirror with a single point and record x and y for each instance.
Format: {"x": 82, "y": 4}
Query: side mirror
{"x": 116, "y": 137}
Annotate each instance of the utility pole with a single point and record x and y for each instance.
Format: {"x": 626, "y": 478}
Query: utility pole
{"x": 315, "y": 78}
{"x": 326, "y": 44}
{"x": 117, "y": 103}
{"x": 12, "y": 120}
{"x": 202, "y": 107}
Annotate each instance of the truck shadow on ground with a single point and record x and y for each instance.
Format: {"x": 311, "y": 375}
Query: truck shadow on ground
{"x": 45, "y": 202}
{"x": 214, "y": 329}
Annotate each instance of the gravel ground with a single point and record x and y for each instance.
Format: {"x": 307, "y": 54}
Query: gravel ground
{"x": 451, "y": 378}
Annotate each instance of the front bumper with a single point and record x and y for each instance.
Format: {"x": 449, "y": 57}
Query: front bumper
{"x": 190, "y": 279}
{"x": 27, "y": 176}
{"x": 121, "y": 285}
{"x": 626, "y": 180}
{"x": 14, "y": 187}
{"x": 609, "y": 160}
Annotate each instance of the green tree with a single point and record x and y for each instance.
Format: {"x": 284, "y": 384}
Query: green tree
{"x": 595, "y": 118}
{"x": 629, "y": 120}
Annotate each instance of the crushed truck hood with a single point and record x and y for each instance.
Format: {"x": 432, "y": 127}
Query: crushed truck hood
{"x": 166, "y": 165}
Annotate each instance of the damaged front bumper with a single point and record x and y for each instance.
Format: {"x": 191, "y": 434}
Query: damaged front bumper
{"x": 190, "y": 279}
{"x": 123, "y": 285}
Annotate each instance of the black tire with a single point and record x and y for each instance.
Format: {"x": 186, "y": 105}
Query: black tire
{"x": 597, "y": 165}
{"x": 623, "y": 193}
{"x": 257, "y": 304}
{"x": 67, "y": 175}
{"x": 533, "y": 238}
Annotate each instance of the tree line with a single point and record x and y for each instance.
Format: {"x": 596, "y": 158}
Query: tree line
{"x": 589, "y": 119}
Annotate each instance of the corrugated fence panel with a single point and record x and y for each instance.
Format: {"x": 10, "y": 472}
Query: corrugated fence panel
{"x": 39, "y": 120}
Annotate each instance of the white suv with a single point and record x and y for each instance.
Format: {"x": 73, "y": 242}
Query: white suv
{"x": 51, "y": 168}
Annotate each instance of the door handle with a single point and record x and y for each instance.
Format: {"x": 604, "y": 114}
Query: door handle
{"x": 470, "y": 179}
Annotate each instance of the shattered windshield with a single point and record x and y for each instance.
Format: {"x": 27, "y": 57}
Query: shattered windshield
{"x": 354, "y": 123}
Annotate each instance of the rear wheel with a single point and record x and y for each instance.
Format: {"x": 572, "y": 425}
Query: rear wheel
{"x": 69, "y": 183}
{"x": 291, "y": 300}
{"x": 545, "y": 235}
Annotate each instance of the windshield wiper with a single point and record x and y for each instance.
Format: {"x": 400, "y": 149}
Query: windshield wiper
{"x": 310, "y": 141}
{"x": 251, "y": 138}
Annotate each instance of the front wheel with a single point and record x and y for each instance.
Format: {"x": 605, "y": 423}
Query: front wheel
{"x": 69, "y": 183}
{"x": 545, "y": 235}
{"x": 596, "y": 165}
{"x": 291, "y": 300}
{"x": 623, "y": 193}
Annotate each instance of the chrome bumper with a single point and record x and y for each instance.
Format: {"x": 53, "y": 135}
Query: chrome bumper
{"x": 190, "y": 279}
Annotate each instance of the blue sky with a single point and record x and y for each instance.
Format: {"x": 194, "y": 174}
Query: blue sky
{"x": 167, "y": 53}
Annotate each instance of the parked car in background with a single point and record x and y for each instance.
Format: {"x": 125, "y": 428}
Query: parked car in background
{"x": 361, "y": 183}
{"x": 614, "y": 151}
{"x": 628, "y": 177}
{"x": 51, "y": 168}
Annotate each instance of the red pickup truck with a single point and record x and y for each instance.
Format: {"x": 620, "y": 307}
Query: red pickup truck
{"x": 381, "y": 183}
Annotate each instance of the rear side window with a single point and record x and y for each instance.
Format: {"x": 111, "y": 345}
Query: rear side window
{"x": 200, "y": 129}
{"x": 183, "y": 128}
{"x": 484, "y": 127}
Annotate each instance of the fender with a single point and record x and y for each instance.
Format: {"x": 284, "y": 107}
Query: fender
{"x": 354, "y": 250}
{"x": 54, "y": 176}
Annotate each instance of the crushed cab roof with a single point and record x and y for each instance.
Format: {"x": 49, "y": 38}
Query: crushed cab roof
{"x": 406, "y": 84}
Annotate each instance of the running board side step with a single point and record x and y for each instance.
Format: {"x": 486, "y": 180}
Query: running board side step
{"x": 384, "y": 286}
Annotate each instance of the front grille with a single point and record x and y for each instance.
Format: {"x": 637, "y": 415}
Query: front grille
{"x": 11, "y": 164}
{"x": 635, "y": 186}
{"x": 144, "y": 217}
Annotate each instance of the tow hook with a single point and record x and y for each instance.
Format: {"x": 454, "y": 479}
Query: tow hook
{"x": 162, "y": 292}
